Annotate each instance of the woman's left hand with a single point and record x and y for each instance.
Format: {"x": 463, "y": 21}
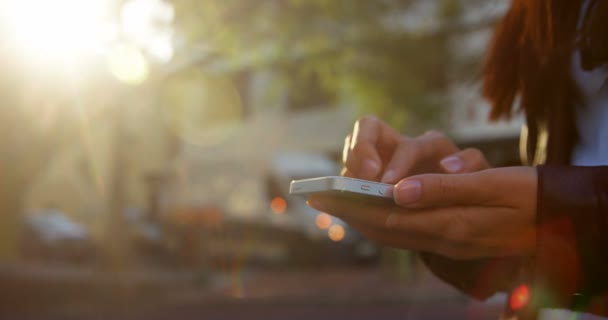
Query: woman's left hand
{"x": 488, "y": 213}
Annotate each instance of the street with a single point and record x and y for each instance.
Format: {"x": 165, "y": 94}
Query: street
{"x": 337, "y": 292}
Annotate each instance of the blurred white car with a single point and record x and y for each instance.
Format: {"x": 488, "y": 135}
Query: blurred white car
{"x": 51, "y": 235}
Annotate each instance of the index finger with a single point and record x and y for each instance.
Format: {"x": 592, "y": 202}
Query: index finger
{"x": 419, "y": 154}
{"x": 370, "y": 140}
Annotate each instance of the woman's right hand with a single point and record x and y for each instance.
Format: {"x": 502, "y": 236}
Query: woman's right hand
{"x": 375, "y": 151}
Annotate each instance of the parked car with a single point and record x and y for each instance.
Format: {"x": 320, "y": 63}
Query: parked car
{"x": 50, "y": 235}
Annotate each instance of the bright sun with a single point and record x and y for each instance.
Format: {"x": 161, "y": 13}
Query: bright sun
{"x": 61, "y": 30}
{"x": 60, "y": 33}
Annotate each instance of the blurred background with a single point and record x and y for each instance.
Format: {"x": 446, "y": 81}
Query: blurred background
{"x": 146, "y": 150}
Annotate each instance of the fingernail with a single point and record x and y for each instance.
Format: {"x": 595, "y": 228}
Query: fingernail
{"x": 408, "y": 192}
{"x": 370, "y": 168}
{"x": 452, "y": 164}
{"x": 388, "y": 176}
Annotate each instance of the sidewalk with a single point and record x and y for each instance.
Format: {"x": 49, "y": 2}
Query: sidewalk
{"x": 56, "y": 290}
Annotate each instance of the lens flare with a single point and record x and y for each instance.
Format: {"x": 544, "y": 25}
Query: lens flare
{"x": 146, "y": 24}
{"x": 65, "y": 35}
{"x": 128, "y": 65}
{"x": 519, "y": 297}
{"x": 336, "y": 233}
{"x": 55, "y": 31}
{"x": 278, "y": 205}
{"x": 323, "y": 221}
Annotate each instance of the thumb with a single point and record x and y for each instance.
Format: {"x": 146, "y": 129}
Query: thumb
{"x": 434, "y": 190}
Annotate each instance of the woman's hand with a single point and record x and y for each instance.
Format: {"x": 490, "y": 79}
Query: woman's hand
{"x": 489, "y": 213}
{"x": 375, "y": 151}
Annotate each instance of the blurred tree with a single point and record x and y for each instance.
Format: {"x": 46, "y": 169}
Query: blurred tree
{"x": 26, "y": 145}
{"x": 388, "y": 57}
{"x": 41, "y": 115}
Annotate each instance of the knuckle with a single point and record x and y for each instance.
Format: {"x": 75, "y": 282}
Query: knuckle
{"x": 445, "y": 186}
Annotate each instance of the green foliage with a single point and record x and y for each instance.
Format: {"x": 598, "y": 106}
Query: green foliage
{"x": 352, "y": 48}
{"x": 450, "y": 9}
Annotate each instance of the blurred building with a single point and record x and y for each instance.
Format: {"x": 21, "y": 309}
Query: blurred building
{"x": 215, "y": 138}
{"x": 468, "y": 116}
{"x": 499, "y": 141}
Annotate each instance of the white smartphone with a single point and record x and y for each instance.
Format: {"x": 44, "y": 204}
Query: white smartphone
{"x": 343, "y": 187}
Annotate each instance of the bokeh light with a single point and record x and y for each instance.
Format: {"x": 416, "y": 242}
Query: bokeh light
{"x": 128, "y": 65}
{"x": 336, "y": 233}
{"x": 278, "y": 205}
{"x": 323, "y": 221}
{"x": 519, "y": 297}
{"x": 145, "y": 23}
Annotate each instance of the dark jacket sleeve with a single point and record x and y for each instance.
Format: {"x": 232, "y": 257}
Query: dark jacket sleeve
{"x": 571, "y": 266}
{"x": 570, "y": 269}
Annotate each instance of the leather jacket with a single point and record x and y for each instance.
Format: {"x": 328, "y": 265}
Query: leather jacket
{"x": 570, "y": 269}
